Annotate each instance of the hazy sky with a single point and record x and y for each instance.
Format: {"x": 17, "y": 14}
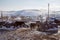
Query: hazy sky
{"x": 29, "y": 4}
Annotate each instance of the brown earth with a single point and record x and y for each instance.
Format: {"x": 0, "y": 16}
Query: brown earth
{"x": 27, "y": 34}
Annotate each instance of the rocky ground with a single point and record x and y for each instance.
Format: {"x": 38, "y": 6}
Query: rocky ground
{"x": 27, "y": 34}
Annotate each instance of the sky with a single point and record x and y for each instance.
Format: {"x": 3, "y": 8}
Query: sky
{"x": 12, "y": 5}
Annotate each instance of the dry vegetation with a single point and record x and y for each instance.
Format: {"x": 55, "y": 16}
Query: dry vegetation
{"x": 26, "y": 34}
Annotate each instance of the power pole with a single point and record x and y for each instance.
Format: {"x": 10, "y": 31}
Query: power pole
{"x": 48, "y": 10}
{"x": 1, "y": 16}
{"x": 47, "y": 19}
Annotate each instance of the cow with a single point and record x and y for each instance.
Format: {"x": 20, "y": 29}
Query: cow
{"x": 8, "y": 25}
{"x": 39, "y": 25}
{"x": 2, "y": 23}
{"x": 57, "y": 22}
{"x": 20, "y": 24}
{"x": 35, "y": 25}
{"x": 32, "y": 26}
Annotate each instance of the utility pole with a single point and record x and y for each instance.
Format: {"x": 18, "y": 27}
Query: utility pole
{"x": 1, "y": 16}
{"x": 47, "y": 19}
{"x": 48, "y": 10}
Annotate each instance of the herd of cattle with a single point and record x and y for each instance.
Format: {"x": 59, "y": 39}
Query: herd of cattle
{"x": 14, "y": 24}
{"x": 38, "y": 25}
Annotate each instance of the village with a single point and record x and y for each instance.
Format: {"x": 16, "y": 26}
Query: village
{"x": 30, "y": 24}
{"x": 28, "y": 28}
